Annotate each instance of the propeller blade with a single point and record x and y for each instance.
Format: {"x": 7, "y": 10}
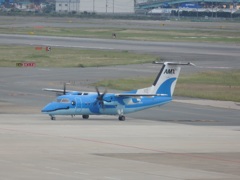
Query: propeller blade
{"x": 97, "y": 90}
{"x": 100, "y": 97}
{"x": 101, "y": 103}
{"x": 105, "y": 91}
{"x": 64, "y": 88}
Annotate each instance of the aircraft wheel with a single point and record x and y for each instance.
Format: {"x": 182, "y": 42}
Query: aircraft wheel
{"x": 53, "y": 118}
{"x": 121, "y": 118}
{"x": 85, "y": 116}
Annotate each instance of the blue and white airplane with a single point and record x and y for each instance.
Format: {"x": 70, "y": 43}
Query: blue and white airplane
{"x": 96, "y": 103}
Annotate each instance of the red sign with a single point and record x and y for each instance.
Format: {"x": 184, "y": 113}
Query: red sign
{"x": 29, "y": 64}
{"x": 38, "y": 48}
{"x": 26, "y": 64}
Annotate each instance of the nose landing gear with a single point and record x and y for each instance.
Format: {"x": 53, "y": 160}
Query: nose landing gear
{"x": 121, "y": 118}
{"x": 52, "y": 117}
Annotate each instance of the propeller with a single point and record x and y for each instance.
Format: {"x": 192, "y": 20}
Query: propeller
{"x": 100, "y": 97}
{"x": 64, "y": 88}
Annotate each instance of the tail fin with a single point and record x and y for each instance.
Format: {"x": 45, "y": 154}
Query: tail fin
{"x": 166, "y": 79}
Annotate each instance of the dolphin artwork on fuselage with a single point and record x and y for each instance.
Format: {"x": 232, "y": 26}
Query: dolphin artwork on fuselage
{"x": 96, "y": 103}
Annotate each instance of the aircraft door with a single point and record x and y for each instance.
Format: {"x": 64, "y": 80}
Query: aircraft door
{"x": 78, "y": 105}
{"x": 74, "y": 105}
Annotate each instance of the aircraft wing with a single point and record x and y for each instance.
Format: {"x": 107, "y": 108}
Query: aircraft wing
{"x": 56, "y": 90}
{"x": 138, "y": 95}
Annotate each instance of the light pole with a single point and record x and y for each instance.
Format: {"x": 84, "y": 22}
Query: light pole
{"x": 232, "y": 8}
{"x": 197, "y": 9}
{"x": 212, "y": 9}
{"x": 178, "y": 11}
{"x": 69, "y": 4}
{"x": 113, "y": 6}
{"x": 106, "y": 5}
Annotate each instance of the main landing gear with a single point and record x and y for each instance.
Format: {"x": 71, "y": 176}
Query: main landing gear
{"x": 121, "y": 118}
{"x": 85, "y": 116}
{"x": 52, "y": 117}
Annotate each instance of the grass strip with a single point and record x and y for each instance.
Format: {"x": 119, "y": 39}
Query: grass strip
{"x": 69, "y": 57}
{"x": 194, "y": 35}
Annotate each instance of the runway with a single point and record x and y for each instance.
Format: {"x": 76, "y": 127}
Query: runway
{"x": 178, "y": 141}
{"x": 196, "y": 52}
{"x": 72, "y": 22}
{"x": 34, "y": 147}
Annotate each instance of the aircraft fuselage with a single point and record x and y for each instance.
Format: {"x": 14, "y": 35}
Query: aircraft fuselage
{"x": 87, "y": 105}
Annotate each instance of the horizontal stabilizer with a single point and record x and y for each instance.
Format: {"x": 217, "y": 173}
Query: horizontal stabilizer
{"x": 174, "y": 63}
{"x": 138, "y": 95}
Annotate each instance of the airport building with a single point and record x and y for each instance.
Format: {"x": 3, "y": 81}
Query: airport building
{"x": 6, "y": 1}
{"x": 96, "y": 6}
{"x": 204, "y": 8}
{"x": 179, "y": 6}
{"x": 157, "y": 7}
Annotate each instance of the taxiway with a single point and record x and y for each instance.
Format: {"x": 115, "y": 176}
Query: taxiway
{"x": 33, "y": 147}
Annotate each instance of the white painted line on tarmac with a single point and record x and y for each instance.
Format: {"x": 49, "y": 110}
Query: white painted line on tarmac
{"x": 26, "y": 164}
{"x": 51, "y": 168}
{"x": 81, "y": 173}
{"x": 44, "y": 69}
{"x": 5, "y": 161}
{"x": 112, "y": 178}
{"x": 62, "y": 175}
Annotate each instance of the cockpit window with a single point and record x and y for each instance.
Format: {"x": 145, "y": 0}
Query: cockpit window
{"x": 63, "y": 100}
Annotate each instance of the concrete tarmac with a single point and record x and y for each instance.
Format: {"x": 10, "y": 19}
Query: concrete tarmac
{"x": 33, "y": 147}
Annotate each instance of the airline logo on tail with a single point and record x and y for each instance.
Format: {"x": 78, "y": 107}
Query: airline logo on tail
{"x": 169, "y": 71}
{"x": 166, "y": 79}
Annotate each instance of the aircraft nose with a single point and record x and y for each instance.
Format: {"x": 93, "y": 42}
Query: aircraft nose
{"x": 51, "y": 107}
{"x": 48, "y": 108}
{"x": 44, "y": 110}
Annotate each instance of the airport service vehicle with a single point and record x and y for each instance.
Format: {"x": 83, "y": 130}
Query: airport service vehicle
{"x": 96, "y": 103}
